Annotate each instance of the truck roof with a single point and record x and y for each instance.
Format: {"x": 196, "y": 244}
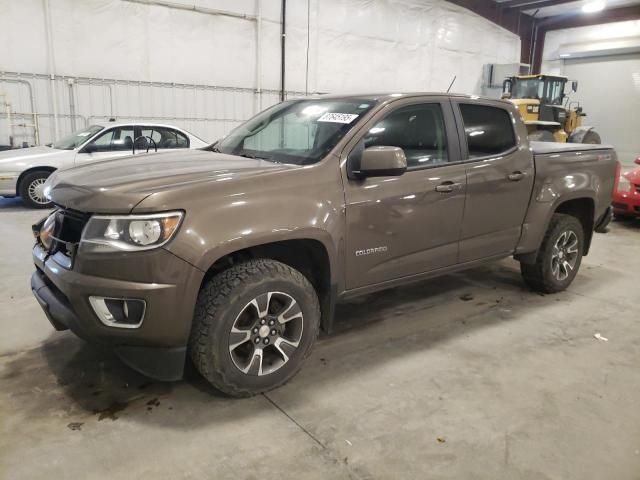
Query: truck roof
{"x": 380, "y": 97}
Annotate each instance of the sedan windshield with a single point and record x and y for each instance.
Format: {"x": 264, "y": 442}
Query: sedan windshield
{"x": 77, "y": 138}
{"x": 296, "y": 131}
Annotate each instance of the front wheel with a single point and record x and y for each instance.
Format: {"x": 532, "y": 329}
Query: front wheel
{"x": 559, "y": 256}
{"x": 31, "y": 189}
{"x": 254, "y": 324}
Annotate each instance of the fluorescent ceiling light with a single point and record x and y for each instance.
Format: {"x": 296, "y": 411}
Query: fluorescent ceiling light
{"x": 592, "y": 7}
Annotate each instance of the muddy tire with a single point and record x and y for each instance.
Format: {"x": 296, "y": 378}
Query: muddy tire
{"x": 31, "y": 189}
{"x": 559, "y": 257}
{"x": 254, "y": 324}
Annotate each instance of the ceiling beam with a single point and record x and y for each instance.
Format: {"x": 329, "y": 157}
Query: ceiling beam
{"x": 533, "y": 4}
{"x": 579, "y": 19}
{"x": 573, "y": 20}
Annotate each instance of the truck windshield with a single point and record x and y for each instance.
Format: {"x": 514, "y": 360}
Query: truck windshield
{"x": 77, "y": 138}
{"x": 296, "y": 131}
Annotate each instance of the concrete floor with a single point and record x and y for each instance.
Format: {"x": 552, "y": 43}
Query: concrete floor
{"x": 466, "y": 376}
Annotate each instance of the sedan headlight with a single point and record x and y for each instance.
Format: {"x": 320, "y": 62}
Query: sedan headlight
{"x": 624, "y": 185}
{"x": 128, "y": 233}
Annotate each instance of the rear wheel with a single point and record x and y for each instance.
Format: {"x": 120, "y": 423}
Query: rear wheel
{"x": 592, "y": 138}
{"x": 559, "y": 257}
{"x": 31, "y": 189}
{"x": 254, "y": 324}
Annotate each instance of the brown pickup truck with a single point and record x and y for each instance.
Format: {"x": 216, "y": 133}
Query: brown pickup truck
{"x": 236, "y": 254}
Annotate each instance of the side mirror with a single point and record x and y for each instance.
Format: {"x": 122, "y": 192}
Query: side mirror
{"x": 90, "y": 148}
{"x": 637, "y": 161}
{"x": 574, "y": 86}
{"x": 382, "y": 161}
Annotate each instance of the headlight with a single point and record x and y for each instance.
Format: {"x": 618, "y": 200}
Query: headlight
{"x": 116, "y": 233}
{"x": 45, "y": 234}
{"x": 624, "y": 185}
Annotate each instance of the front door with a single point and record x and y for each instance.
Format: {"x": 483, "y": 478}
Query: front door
{"x": 500, "y": 176}
{"x": 409, "y": 224}
{"x": 113, "y": 143}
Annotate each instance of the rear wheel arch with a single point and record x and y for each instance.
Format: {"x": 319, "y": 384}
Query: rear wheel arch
{"x": 580, "y": 207}
{"x": 583, "y": 209}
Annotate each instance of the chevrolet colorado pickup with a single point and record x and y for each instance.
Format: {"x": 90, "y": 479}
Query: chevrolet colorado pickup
{"x": 236, "y": 254}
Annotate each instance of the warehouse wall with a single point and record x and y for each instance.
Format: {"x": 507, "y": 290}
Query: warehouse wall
{"x": 171, "y": 64}
{"x": 609, "y": 83}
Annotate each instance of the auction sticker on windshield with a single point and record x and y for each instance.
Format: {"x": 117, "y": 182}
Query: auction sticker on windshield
{"x": 338, "y": 117}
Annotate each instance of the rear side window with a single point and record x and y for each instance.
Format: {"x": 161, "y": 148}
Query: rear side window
{"x": 489, "y": 130}
{"x": 165, "y": 137}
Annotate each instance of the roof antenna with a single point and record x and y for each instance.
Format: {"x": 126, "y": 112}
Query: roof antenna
{"x": 452, "y": 82}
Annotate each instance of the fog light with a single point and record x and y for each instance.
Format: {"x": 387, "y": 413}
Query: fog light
{"x": 119, "y": 312}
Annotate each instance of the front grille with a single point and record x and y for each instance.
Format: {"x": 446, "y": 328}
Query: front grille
{"x": 637, "y": 188}
{"x": 67, "y": 231}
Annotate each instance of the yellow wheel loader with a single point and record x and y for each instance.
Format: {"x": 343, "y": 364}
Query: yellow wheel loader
{"x": 546, "y": 109}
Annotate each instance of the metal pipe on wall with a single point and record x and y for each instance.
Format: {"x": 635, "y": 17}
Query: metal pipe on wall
{"x": 283, "y": 31}
{"x": 32, "y": 104}
{"x": 72, "y": 104}
{"x": 52, "y": 67}
{"x": 194, "y": 8}
{"x": 258, "y": 58}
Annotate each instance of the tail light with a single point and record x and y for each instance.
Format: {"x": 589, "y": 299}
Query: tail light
{"x": 616, "y": 180}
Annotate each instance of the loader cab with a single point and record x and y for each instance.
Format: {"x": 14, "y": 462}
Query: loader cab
{"x": 547, "y": 89}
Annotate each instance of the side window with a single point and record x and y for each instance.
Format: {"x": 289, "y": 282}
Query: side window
{"x": 103, "y": 142}
{"x": 165, "y": 137}
{"x": 122, "y": 139}
{"x": 489, "y": 130}
{"x": 114, "y": 140}
{"x": 418, "y": 129}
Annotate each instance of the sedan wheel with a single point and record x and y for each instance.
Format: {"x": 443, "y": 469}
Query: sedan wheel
{"x": 31, "y": 190}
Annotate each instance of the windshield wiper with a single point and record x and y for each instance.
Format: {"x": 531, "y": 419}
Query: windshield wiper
{"x": 255, "y": 157}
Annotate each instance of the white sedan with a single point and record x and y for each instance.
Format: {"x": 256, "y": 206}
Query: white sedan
{"x": 24, "y": 171}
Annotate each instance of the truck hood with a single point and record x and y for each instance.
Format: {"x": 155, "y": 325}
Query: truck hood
{"x": 117, "y": 186}
{"x": 22, "y": 158}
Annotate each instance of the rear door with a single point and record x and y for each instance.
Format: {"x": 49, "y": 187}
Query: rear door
{"x": 405, "y": 225}
{"x": 163, "y": 138}
{"x": 500, "y": 176}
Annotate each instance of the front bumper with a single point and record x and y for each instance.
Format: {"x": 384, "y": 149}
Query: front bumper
{"x": 158, "y": 347}
{"x": 626, "y": 203}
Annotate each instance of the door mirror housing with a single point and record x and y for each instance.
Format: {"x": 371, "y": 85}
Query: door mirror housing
{"x": 574, "y": 86}
{"x": 92, "y": 147}
{"x": 382, "y": 161}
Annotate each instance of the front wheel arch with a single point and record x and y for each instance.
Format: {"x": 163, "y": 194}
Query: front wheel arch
{"x": 31, "y": 170}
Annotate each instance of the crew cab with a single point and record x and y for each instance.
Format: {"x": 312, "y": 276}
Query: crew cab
{"x": 236, "y": 254}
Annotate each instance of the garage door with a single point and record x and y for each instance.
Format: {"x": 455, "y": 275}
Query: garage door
{"x": 609, "y": 92}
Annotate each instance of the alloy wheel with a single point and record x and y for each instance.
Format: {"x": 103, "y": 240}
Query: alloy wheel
{"x": 564, "y": 255}
{"x": 266, "y": 333}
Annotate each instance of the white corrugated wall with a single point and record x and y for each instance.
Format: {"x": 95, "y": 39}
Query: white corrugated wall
{"x": 201, "y": 68}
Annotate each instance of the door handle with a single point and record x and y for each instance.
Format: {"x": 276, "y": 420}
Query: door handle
{"x": 516, "y": 176}
{"x": 448, "y": 187}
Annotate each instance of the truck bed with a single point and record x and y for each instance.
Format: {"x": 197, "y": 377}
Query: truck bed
{"x": 541, "y": 148}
